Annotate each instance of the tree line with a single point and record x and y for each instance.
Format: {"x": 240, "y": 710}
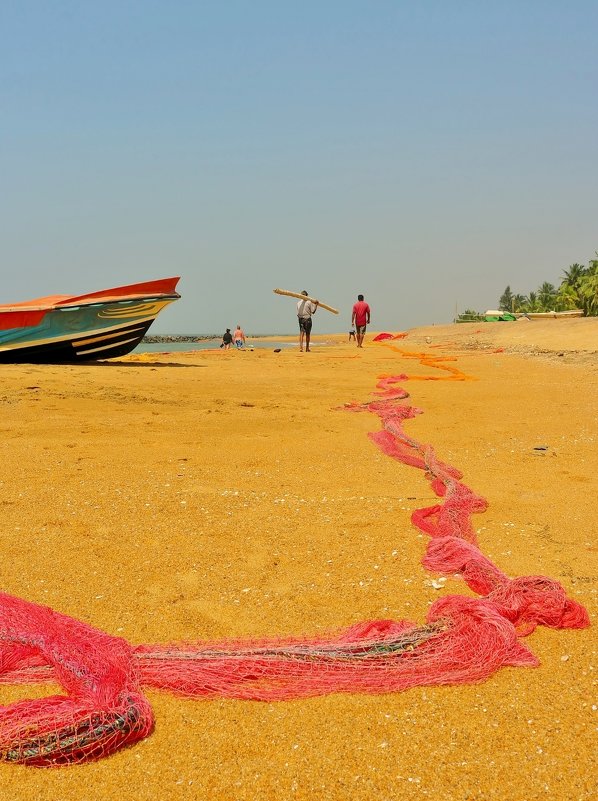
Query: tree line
{"x": 578, "y": 290}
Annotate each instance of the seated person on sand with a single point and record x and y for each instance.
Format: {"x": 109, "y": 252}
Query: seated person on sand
{"x": 239, "y": 337}
{"x": 227, "y": 340}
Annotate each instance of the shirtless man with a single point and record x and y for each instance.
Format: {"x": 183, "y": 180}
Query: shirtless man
{"x": 239, "y": 337}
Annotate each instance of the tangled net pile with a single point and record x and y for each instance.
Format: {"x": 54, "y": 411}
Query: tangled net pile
{"x": 463, "y": 639}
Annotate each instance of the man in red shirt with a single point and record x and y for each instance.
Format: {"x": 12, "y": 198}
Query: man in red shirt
{"x": 360, "y": 318}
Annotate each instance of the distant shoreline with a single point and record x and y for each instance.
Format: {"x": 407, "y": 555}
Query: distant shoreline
{"x": 574, "y": 339}
{"x": 164, "y": 338}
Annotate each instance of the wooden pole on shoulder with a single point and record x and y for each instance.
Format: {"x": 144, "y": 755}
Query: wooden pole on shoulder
{"x": 305, "y": 297}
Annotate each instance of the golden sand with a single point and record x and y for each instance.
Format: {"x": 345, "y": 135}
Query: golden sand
{"x": 214, "y": 494}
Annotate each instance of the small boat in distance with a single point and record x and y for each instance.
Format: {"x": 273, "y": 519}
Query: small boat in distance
{"x": 495, "y": 315}
{"x": 561, "y": 315}
{"x": 99, "y": 325}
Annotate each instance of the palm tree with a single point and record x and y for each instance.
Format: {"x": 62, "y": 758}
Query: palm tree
{"x": 588, "y": 289}
{"x": 532, "y": 302}
{"x": 573, "y": 275}
{"x": 506, "y": 300}
{"x": 519, "y": 302}
{"x": 547, "y": 296}
{"x": 567, "y": 298}
{"x": 578, "y": 289}
{"x": 568, "y": 293}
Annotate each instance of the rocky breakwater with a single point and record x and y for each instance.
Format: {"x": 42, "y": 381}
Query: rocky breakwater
{"x": 169, "y": 338}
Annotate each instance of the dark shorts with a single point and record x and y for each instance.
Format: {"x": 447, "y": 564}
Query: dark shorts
{"x": 360, "y": 329}
{"x": 305, "y": 324}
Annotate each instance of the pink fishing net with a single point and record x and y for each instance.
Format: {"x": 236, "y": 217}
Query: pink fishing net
{"x": 462, "y": 640}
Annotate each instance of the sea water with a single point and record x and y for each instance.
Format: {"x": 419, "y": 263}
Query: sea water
{"x": 209, "y": 344}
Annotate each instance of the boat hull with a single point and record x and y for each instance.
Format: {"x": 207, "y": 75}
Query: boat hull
{"x": 81, "y": 329}
{"x": 563, "y": 315}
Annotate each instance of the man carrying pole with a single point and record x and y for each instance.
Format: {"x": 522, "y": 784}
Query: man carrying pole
{"x": 305, "y": 309}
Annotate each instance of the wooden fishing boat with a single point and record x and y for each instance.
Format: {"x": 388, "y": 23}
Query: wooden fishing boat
{"x": 562, "y": 315}
{"x": 99, "y": 325}
{"x": 494, "y": 315}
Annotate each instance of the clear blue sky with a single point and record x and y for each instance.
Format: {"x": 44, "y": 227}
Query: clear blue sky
{"x": 426, "y": 154}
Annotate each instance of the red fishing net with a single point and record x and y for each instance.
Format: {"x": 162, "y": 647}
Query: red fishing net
{"x": 463, "y": 639}
{"x": 384, "y": 335}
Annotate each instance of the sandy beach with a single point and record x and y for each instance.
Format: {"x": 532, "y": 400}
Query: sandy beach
{"x": 215, "y": 494}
